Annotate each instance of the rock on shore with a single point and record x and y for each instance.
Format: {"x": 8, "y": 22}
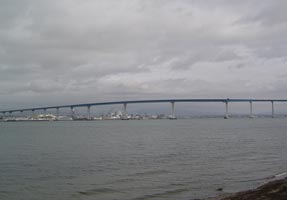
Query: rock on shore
{"x": 275, "y": 190}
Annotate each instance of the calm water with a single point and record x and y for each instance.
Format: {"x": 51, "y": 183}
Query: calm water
{"x": 138, "y": 160}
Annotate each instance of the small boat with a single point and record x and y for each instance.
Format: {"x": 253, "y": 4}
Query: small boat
{"x": 172, "y": 117}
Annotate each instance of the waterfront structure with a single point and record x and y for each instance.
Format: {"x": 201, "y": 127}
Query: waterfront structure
{"x": 125, "y": 104}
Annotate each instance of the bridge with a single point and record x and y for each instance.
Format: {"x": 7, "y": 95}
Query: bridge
{"x": 171, "y": 101}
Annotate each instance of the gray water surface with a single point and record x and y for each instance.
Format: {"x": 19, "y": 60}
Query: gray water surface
{"x": 138, "y": 160}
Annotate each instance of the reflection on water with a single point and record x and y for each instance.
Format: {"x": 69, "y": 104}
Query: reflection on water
{"x": 134, "y": 160}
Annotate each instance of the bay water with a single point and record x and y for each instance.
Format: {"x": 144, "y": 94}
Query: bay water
{"x": 139, "y": 160}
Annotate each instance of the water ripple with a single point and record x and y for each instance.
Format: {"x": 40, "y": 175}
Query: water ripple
{"x": 97, "y": 191}
{"x": 164, "y": 194}
{"x": 149, "y": 173}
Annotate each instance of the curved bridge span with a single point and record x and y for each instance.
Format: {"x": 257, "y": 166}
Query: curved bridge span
{"x": 172, "y": 101}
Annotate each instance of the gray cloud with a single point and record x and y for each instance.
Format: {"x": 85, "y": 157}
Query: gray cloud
{"x": 103, "y": 50}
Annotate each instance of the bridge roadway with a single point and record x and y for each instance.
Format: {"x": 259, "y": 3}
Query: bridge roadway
{"x": 172, "y": 101}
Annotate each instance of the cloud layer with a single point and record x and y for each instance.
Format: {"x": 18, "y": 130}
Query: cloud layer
{"x": 96, "y": 50}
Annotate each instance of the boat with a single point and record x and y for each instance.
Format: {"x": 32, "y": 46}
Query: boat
{"x": 172, "y": 117}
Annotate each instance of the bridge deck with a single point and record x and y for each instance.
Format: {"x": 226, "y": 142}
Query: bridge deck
{"x": 143, "y": 101}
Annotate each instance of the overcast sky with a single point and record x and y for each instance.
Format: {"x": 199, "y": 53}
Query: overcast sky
{"x": 75, "y": 51}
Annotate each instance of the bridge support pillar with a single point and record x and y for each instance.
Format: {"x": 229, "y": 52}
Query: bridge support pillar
{"x": 45, "y": 111}
{"x": 72, "y": 112}
{"x": 273, "y": 112}
{"x": 172, "y": 109}
{"x": 89, "y": 112}
{"x": 172, "y": 115}
{"x": 125, "y": 112}
{"x": 226, "y": 110}
{"x": 57, "y": 113}
{"x": 33, "y": 114}
{"x": 125, "y": 108}
{"x": 251, "y": 110}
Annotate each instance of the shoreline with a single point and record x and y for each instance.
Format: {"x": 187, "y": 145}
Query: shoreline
{"x": 273, "y": 190}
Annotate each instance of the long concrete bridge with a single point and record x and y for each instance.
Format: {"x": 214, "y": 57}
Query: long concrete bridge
{"x": 171, "y": 101}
